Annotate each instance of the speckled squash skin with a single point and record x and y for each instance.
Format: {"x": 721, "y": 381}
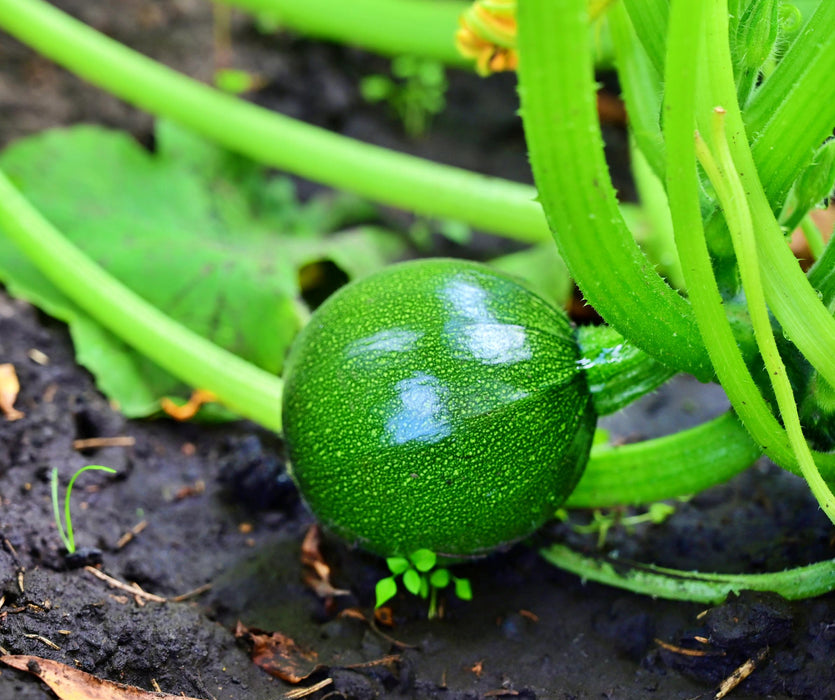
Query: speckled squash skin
{"x": 437, "y": 404}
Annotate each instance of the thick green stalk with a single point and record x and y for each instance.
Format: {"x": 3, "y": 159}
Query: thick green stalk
{"x": 659, "y": 242}
{"x": 685, "y": 51}
{"x": 722, "y": 173}
{"x": 667, "y": 467}
{"x": 641, "y": 88}
{"x": 792, "y": 300}
{"x": 685, "y": 54}
{"x": 241, "y": 386}
{"x": 813, "y": 237}
{"x": 650, "y": 19}
{"x": 616, "y": 371}
{"x": 566, "y": 151}
{"x": 393, "y": 178}
{"x": 391, "y": 27}
{"x": 822, "y": 274}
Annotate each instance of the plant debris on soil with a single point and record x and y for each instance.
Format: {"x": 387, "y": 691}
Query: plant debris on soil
{"x": 197, "y": 572}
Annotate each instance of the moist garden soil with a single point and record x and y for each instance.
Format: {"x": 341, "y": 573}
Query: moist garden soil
{"x": 219, "y": 527}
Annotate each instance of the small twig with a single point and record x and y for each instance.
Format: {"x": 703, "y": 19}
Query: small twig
{"x": 134, "y": 590}
{"x": 304, "y": 692}
{"x": 739, "y": 675}
{"x": 130, "y": 534}
{"x": 48, "y": 642}
{"x": 684, "y": 651}
{"x": 38, "y": 357}
{"x": 140, "y": 595}
{"x": 10, "y": 547}
{"x": 192, "y": 593}
{"x": 92, "y": 443}
{"x": 391, "y": 640}
{"x": 382, "y": 661}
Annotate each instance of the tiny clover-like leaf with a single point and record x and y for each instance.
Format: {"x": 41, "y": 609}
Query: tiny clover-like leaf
{"x": 412, "y": 579}
{"x": 424, "y": 586}
{"x": 385, "y": 589}
{"x": 423, "y": 559}
{"x": 397, "y": 565}
{"x": 462, "y": 588}
{"x": 439, "y": 578}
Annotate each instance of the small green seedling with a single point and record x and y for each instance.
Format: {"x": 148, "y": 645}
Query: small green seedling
{"x": 65, "y": 524}
{"x": 604, "y": 520}
{"x": 236, "y": 82}
{"x": 415, "y": 92}
{"x": 420, "y": 577}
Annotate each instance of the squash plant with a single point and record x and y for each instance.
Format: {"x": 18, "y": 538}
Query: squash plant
{"x": 730, "y": 105}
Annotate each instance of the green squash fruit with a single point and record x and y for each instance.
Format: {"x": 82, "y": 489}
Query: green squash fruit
{"x": 436, "y": 405}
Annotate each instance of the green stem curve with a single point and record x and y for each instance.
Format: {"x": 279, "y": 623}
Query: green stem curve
{"x": 390, "y": 27}
{"x": 667, "y": 467}
{"x": 566, "y": 150}
{"x": 489, "y": 203}
{"x": 247, "y": 390}
{"x": 675, "y": 584}
{"x": 792, "y": 300}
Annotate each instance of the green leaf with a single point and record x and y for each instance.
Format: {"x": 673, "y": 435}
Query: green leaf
{"x": 423, "y": 589}
{"x": 542, "y": 270}
{"x": 397, "y": 565}
{"x": 601, "y": 438}
{"x": 462, "y": 588}
{"x": 198, "y": 232}
{"x": 357, "y": 252}
{"x": 375, "y": 88}
{"x": 244, "y": 197}
{"x": 440, "y": 578}
{"x": 423, "y": 559}
{"x": 412, "y": 579}
{"x": 385, "y": 589}
{"x": 234, "y": 81}
{"x": 154, "y": 227}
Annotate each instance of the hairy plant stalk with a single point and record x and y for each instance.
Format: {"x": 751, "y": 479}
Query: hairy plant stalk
{"x": 391, "y": 27}
{"x": 566, "y": 151}
{"x": 675, "y": 584}
{"x": 722, "y": 173}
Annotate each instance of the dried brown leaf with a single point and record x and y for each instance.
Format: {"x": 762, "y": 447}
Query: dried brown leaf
{"x": 317, "y": 575}
{"x": 69, "y": 683}
{"x": 9, "y": 389}
{"x": 278, "y": 654}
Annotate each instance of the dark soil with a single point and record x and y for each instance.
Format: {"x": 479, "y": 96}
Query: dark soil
{"x": 220, "y": 510}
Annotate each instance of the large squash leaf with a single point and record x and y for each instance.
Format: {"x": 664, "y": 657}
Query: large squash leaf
{"x": 200, "y": 233}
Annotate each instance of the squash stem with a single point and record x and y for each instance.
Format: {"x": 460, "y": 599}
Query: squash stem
{"x": 675, "y": 584}
{"x": 489, "y": 203}
{"x": 723, "y": 175}
{"x": 390, "y": 27}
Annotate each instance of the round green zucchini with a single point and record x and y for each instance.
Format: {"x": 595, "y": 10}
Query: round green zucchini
{"x": 436, "y": 405}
